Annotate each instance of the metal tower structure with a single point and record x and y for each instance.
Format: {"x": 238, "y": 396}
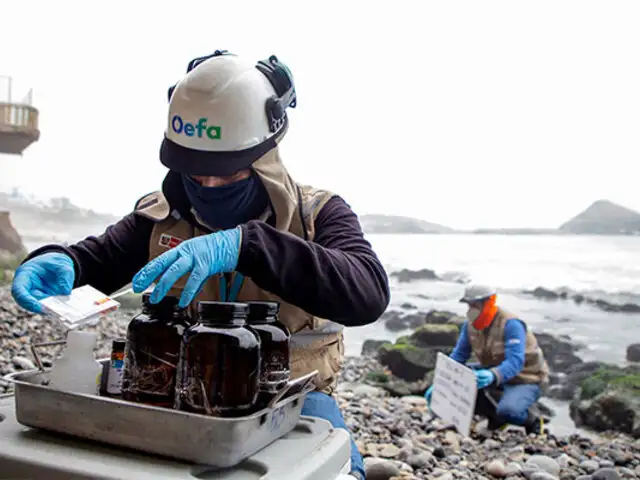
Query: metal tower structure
{"x": 18, "y": 121}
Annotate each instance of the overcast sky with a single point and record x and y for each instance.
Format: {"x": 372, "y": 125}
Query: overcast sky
{"x": 469, "y": 114}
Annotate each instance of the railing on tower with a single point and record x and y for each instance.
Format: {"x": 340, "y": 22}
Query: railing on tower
{"x": 18, "y": 120}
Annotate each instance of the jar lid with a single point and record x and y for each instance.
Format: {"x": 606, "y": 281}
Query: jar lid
{"x": 223, "y": 311}
{"x": 263, "y": 311}
{"x": 118, "y": 344}
{"x": 167, "y": 302}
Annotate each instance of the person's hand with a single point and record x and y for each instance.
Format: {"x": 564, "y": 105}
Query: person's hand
{"x": 484, "y": 377}
{"x": 203, "y": 256}
{"x": 41, "y": 277}
{"x": 427, "y": 394}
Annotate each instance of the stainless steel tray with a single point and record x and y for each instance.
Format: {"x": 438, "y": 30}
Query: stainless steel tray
{"x": 218, "y": 442}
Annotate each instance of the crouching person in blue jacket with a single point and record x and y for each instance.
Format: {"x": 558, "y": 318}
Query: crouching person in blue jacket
{"x": 510, "y": 360}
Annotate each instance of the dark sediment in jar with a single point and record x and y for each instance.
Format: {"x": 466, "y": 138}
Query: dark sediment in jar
{"x": 274, "y": 341}
{"x": 152, "y": 352}
{"x": 220, "y": 363}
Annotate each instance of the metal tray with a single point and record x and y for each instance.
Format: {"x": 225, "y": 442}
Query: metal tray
{"x": 217, "y": 442}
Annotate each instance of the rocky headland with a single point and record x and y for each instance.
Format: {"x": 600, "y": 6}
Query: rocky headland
{"x": 602, "y": 217}
{"x": 375, "y": 223}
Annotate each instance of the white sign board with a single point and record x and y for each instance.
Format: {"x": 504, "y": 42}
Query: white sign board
{"x": 454, "y": 393}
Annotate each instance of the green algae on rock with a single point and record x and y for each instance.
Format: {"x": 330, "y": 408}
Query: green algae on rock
{"x": 609, "y": 400}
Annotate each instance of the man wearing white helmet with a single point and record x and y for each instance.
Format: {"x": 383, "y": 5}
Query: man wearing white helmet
{"x": 231, "y": 224}
{"x": 509, "y": 357}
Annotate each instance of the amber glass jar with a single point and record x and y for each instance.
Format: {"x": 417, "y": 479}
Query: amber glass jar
{"x": 274, "y": 348}
{"x": 152, "y": 352}
{"x": 219, "y": 362}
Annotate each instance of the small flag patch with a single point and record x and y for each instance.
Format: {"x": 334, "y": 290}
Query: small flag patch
{"x": 169, "y": 241}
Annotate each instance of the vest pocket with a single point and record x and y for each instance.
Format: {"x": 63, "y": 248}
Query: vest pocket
{"x": 326, "y": 359}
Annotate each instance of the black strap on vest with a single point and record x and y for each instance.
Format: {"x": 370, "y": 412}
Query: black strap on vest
{"x": 305, "y": 232}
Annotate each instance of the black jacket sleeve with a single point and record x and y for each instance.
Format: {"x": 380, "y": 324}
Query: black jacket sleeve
{"x": 337, "y": 276}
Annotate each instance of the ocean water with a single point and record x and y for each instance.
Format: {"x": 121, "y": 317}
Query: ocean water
{"x": 597, "y": 266}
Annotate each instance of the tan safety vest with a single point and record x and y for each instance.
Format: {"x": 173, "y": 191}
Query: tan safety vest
{"x": 316, "y": 343}
{"x": 488, "y": 346}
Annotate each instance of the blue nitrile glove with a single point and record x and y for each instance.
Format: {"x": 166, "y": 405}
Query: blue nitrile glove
{"x": 41, "y": 277}
{"x": 427, "y": 394}
{"x": 484, "y": 377}
{"x": 203, "y": 256}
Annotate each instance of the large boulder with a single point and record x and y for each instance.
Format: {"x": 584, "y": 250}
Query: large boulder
{"x": 406, "y": 275}
{"x": 560, "y": 353}
{"x": 412, "y": 357}
{"x": 10, "y": 241}
{"x": 397, "y": 321}
{"x": 407, "y": 361}
{"x": 542, "y": 293}
{"x": 437, "y": 335}
{"x": 633, "y": 353}
{"x": 370, "y": 347}
{"x": 12, "y": 250}
{"x": 443, "y": 316}
{"x": 564, "y": 386}
{"x": 609, "y": 400}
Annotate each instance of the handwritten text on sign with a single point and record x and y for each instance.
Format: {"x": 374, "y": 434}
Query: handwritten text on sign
{"x": 454, "y": 393}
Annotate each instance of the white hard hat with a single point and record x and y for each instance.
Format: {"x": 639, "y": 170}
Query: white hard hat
{"x": 474, "y": 293}
{"x": 225, "y": 114}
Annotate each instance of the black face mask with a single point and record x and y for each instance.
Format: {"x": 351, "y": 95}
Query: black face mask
{"x": 229, "y": 205}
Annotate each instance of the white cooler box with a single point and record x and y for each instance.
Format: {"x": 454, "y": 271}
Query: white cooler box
{"x": 313, "y": 450}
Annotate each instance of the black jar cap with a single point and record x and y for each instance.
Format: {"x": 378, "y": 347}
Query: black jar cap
{"x": 233, "y": 312}
{"x": 167, "y": 302}
{"x": 263, "y": 311}
{"x": 118, "y": 344}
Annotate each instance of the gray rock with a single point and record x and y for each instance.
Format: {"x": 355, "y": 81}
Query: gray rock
{"x": 497, "y": 468}
{"x": 491, "y": 444}
{"x": 362, "y": 390}
{"x": 542, "y": 462}
{"x": 514, "y": 468}
{"x": 606, "y": 474}
{"x": 422, "y": 460}
{"x": 589, "y": 466}
{"x": 23, "y": 363}
{"x": 389, "y": 451}
{"x": 529, "y": 470}
{"x": 626, "y": 473}
{"x": 446, "y": 476}
{"x": 564, "y": 460}
{"x": 542, "y": 476}
{"x": 379, "y": 469}
{"x": 621, "y": 458}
